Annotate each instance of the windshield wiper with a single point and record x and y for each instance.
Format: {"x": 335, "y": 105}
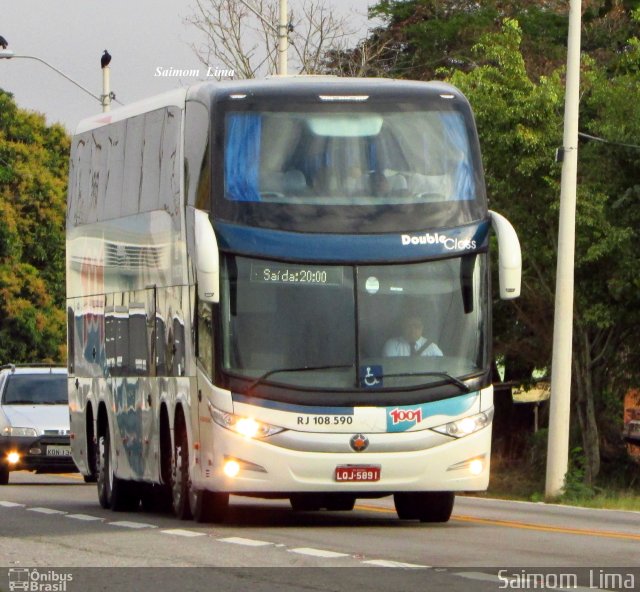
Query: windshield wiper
{"x": 20, "y": 402}
{"x": 266, "y": 375}
{"x": 450, "y": 379}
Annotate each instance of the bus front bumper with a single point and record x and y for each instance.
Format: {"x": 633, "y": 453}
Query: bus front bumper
{"x": 240, "y": 465}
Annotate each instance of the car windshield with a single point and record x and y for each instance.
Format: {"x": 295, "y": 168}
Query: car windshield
{"x": 35, "y": 389}
{"x": 355, "y": 327}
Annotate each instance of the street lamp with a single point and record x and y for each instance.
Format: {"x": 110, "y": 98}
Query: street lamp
{"x": 104, "y": 100}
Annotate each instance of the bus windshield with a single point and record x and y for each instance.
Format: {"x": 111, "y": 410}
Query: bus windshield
{"x": 347, "y": 158}
{"x": 370, "y": 167}
{"x": 354, "y": 327}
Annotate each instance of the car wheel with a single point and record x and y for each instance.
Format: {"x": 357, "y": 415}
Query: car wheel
{"x": 180, "y": 478}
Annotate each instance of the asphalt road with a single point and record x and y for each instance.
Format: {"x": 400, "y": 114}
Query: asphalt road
{"x": 52, "y": 527}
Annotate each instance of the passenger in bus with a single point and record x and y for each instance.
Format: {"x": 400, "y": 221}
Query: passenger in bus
{"x": 411, "y": 342}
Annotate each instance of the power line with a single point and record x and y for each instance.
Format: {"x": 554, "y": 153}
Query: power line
{"x": 604, "y": 141}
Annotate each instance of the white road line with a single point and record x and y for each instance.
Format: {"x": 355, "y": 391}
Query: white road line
{"x": 11, "y": 505}
{"x": 317, "y": 552}
{"x": 127, "y": 524}
{"x": 387, "y": 563}
{"x": 85, "y": 517}
{"x": 182, "y": 532}
{"x": 45, "y": 511}
{"x": 246, "y": 542}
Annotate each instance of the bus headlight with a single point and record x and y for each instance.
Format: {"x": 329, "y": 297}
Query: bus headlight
{"x": 245, "y": 426}
{"x": 19, "y": 432}
{"x": 466, "y": 425}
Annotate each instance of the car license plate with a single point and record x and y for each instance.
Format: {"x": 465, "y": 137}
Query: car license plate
{"x": 357, "y": 473}
{"x": 58, "y": 450}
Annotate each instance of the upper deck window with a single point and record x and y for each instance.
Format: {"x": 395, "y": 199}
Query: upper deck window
{"x": 348, "y": 158}
{"x": 401, "y": 161}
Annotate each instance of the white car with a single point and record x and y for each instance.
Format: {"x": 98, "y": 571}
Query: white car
{"x": 34, "y": 420}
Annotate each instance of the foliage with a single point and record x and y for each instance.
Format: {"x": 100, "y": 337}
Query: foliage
{"x": 508, "y": 58}
{"x": 33, "y": 180}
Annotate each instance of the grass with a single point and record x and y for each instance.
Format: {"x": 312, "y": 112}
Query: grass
{"x": 509, "y": 482}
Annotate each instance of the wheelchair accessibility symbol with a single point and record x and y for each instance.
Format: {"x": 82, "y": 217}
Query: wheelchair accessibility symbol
{"x": 371, "y": 376}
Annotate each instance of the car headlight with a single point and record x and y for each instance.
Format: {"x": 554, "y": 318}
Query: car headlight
{"x": 17, "y": 431}
{"x": 245, "y": 426}
{"x": 466, "y": 425}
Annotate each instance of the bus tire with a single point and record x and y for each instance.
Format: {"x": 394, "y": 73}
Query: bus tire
{"x": 426, "y": 506}
{"x": 208, "y": 506}
{"x": 103, "y": 470}
{"x": 114, "y": 493}
{"x": 180, "y": 477}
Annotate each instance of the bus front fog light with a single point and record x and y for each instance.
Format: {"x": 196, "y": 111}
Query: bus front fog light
{"x": 476, "y": 467}
{"x": 231, "y": 468}
{"x": 13, "y": 458}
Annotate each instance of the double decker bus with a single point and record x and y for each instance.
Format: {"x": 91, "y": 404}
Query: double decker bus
{"x": 281, "y": 289}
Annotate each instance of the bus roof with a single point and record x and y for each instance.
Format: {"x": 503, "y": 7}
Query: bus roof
{"x": 329, "y": 87}
{"x": 174, "y": 98}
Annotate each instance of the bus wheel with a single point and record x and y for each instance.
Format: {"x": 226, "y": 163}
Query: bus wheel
{"x": 306, "y": 502}
{"x": 180, "y": 478}
{"x": 4, "y": 474}
{"x": 426, "y": 506}
{"x": 104, "y": 473}
{"x": 113, "y": 492}
{"x": 208, "y": 506}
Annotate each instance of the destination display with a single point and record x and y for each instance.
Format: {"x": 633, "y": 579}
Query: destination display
{"x": 316, "y": 275}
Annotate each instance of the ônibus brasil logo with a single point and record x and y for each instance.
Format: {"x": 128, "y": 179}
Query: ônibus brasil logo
{"x": 26, "y": 579}
{"x": 409, "y": 415}
{"x": 449, "y": 243}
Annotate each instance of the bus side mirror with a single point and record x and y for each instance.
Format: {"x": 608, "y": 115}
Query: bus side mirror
{"x": 509, "y": 257}
{"x": 207, "y": 259}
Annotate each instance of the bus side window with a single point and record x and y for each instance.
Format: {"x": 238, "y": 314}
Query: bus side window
{"x": 205, "y": 336}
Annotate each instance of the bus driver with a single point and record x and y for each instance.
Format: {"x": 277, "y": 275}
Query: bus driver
{"x": 411, "y": 342}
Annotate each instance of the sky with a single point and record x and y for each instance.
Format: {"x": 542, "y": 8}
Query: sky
{"x": 141, "y": 35}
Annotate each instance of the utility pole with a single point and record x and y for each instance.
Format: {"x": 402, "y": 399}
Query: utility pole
{"x": 559, "y": 414}
{"x": 283, "y": 39}
{"x": 282, "y": 31}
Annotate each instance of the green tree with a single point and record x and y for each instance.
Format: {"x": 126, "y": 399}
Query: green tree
{"x": 33, "y": 180}
{"x": 508, "y": 58}
{"x": 520, "y": 123}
